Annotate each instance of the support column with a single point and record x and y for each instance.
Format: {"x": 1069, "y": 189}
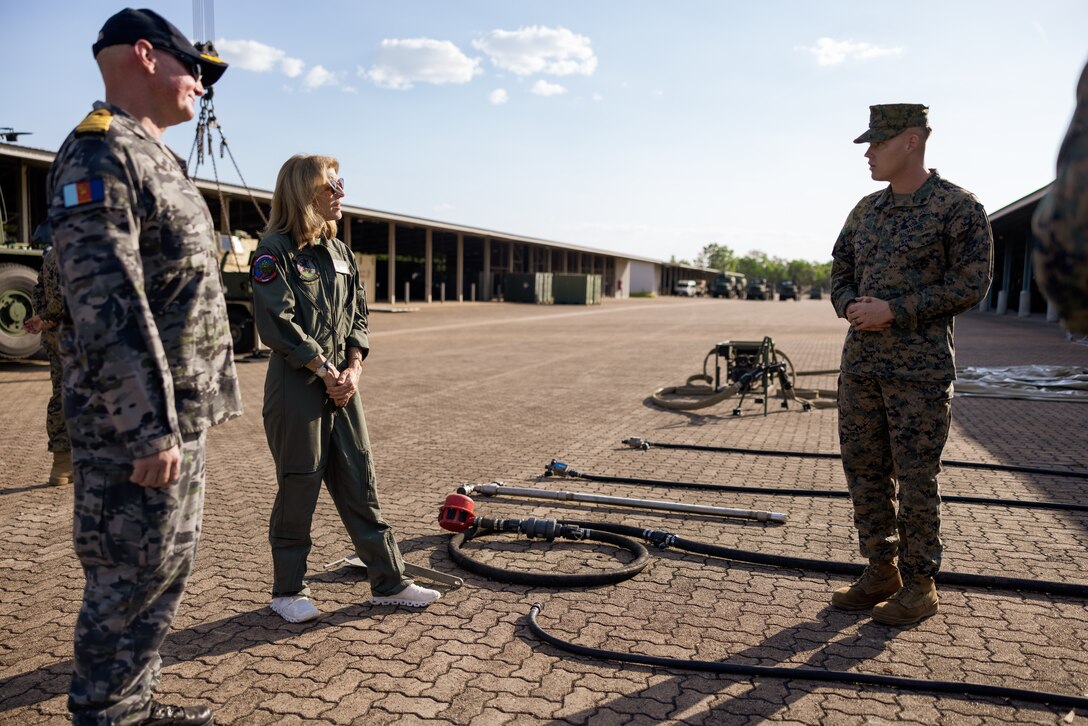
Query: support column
{"x": 24, "y": 205}
{"x": 428, "y": 265}
{"x": 1003, "y": 294}
{"x": 485, "y": 293}
{"x": 460, "y": 267}
{"x": 345, "y": 232}
{"x": 224, "y": 215}
{"x": 1051, "y": 312}
{"x": 392, "y": 266}
{"x": 566, "y": 262}
{"x": 1025, "y": 289}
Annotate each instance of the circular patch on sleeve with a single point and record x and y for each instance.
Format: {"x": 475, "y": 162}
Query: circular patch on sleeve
{"x": 264, "y": 268}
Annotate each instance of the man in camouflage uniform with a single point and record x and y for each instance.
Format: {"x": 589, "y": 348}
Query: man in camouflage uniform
{"x": 1061, "y": 224}
{"x": 148, "y": 365}
{"x": 909, "y": 259}
{"x": 48, "y": 312}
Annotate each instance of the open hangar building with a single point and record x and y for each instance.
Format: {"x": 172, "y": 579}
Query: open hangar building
{"x": 415, "y": 259}
{"x": 425, "y": 260}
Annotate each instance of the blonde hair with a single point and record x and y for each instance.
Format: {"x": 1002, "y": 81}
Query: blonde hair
{"x": 293, "y": 213}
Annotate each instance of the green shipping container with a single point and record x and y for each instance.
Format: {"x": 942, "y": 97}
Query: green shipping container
{"x": 528, "y": 287}
{"x": 577, "y": 289}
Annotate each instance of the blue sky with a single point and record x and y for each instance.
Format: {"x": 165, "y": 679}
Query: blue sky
{"x": 649, "y": 128}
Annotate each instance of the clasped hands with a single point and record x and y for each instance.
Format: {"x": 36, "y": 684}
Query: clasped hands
{"x": 36, "y": 324}
{"x": 869, "y": 314}
{"x": 342, "y": 385}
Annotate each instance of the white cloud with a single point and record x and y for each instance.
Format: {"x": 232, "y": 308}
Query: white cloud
{"x": 598, "y": 97}
{"x": 291, "y": 67}
{"x": 543, "y": 88}
{"x": 252, "y": 55}
{"x": 498, "y": 97}
{"x": 536, "y": 49}
{"x": 831, "y": 52}
{"x": 320, "y": 76}
{"x": 401, "y": 63}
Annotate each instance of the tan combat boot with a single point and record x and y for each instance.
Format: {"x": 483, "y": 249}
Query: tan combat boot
{"x": 879, "y": 582}
{"x": 61, "y": 473}
{"x": 917, "y": 600}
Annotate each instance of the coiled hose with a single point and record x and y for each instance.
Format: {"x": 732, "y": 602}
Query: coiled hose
{"x": 812, "y": 397}
{"x": 546, "y": 579}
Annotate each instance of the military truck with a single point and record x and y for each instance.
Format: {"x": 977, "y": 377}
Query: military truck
{"x": 787, "y": 290}
{"x": 236, "y": 251}
{"x": 758, "y": 290}
{"x": 19, "y": 265}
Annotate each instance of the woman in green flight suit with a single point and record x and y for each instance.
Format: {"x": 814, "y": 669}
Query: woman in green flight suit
{"x": 310, "y": 309}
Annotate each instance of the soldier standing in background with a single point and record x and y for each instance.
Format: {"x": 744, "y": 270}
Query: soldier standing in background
{"x": 909, "y": 259}
{"x": 1061, "y": 224}
{"x": 48, "y": 313}
{"x": 148, "y": 365}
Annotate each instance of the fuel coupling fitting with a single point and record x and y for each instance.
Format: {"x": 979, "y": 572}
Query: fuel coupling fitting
{"x": 533, "y": 528}
{"x": 558, "y": 468}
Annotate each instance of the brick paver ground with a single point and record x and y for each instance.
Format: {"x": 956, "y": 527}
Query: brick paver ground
{"x": 476, "y": 392}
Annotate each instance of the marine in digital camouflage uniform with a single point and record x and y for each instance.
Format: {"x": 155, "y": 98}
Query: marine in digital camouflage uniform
{"x": 49, "y": 309}
{"x": 1061, "y": 224}
{"x": 909, "y": 258}
{"x": 148, "y": 363}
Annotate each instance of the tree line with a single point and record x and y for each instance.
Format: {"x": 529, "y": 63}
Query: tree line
{"x": 760, "y": 264}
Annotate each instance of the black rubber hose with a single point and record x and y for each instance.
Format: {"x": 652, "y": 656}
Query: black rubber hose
{"x": 543, "y": 579}
{"x": 810, "y": 674}
{"x": 839, "y": 493}
{"x": 664, "y": 540}
{"x": 824, "y": 455}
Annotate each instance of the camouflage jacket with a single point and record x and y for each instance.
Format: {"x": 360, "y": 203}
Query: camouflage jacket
{"x": 308, "y": 300}
{"x": 1061, "y": 224}
{"x": 930, "y": 258}
{"x": 146, "y": 344}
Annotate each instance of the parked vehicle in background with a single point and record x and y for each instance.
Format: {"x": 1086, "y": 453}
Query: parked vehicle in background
{"x": 787, "y": 290}
{"x": 685, "y": 288}
{"x": 740, "y": 286}
{"x": 757, "y": 290}
{"x": 816, "y": 293}
{"x": 722, "y": 286}
{"x": 700, "y": 288}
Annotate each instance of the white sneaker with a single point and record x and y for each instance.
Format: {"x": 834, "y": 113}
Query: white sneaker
{"x": 412, "y": 596}
{"x": 294, "y": 608}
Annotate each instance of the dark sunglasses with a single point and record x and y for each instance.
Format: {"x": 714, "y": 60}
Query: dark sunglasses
{"x": 191, "y": 65}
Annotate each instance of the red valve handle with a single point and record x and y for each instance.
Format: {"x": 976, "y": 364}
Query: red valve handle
{"x": 457, "y": 514}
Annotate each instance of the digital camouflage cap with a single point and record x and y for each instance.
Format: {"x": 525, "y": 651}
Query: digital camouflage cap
{"x": 888, "y": 120}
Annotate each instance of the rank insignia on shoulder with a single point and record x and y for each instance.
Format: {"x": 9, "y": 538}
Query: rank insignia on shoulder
{"x": 264, "y": 268}
{"x": 97, "y": 122}
{"x": 84, "y": 192}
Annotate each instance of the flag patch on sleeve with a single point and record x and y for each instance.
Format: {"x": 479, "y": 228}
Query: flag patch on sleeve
{"x": 83, "y": 192}
{"x": 264, "y": 268}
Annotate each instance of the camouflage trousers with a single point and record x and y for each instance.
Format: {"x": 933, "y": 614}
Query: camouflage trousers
{"x": 136, "y": 546}
{"x": 894, "y": 431}
{"x": 56, "y": 426}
